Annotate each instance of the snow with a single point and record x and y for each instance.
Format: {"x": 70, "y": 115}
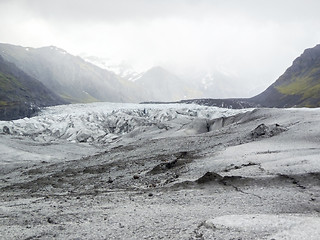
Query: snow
{"x": 207, "y": 81}
{"x": 119, "y": 67}
{"x": 283, "y": 226}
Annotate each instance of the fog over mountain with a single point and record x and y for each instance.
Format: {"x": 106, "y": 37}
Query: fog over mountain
{"x": 250, "y": 42}
{"x": 159, "y": 119}
{"x": 70, "y": 77}
{"x": 79, "y": 81}
{"x": 21, "y": 95}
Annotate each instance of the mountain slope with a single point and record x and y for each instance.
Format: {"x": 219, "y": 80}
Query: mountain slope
{"x": 298, "y": 86}
{"x": 161, "y": 85}
{"x": 20, "y": 94}
{"x": 217, "y": 84}
{"x": 121, "y": 69}
{"x": 70, "y": 77}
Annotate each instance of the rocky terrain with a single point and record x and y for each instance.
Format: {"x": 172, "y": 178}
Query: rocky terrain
{"x": 161, "y": 172}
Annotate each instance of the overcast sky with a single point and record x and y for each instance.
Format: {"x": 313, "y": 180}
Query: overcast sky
{"x": 253, "y": 40}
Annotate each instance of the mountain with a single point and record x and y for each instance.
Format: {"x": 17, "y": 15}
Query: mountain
{"x": 299, "y": 86}
{"x": 121, "y": 69}
{"x": 77, "y": 80}
{"x": 156, "y": 84}
{"x": 22, "y": 95}
{"x": 70, "y": 77}
{"x": 203, "y": 83}
{"x": 216, "y": 83}
{"x": 162, "y": 85}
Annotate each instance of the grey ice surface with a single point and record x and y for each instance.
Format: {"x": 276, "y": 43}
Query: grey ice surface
{"x": 111, "y": 171}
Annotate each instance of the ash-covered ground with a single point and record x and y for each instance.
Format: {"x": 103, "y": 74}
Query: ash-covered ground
{"x": 110, "y": 171}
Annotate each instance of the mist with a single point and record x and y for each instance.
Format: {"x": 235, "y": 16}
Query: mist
{"x": 252, "y": 42}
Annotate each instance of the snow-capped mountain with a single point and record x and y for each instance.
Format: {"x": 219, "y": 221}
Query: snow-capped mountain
{"x": 120, "y": 68}
{"x": 155, "y": 84}
{"x": 160, "y": 84}
{"x": 70, "y": 77}
{"x": 216, "y": 84}
{"x": 207, "y": 81}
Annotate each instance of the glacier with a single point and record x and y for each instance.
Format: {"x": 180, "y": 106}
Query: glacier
{"x": 104, "y": 122}
{"x": 172, "y": 171}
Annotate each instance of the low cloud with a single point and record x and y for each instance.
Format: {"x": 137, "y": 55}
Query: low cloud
{"x": 253, "y": 40}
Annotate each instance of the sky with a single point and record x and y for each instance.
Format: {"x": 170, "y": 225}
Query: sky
{"x": 252, "y": 41}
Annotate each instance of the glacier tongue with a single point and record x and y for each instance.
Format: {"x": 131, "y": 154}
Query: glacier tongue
{"x": 103, "y": 122}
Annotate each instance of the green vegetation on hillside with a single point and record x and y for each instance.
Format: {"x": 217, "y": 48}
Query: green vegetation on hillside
{"x": 86, "y": 99}
{"x": 304, "y": 86}
{"x": 21, "y": 95}
{"x": 68, "y": 76}
{"x": 8, "y": 82}
{"x": 10, "y": 89}
{"x": 304, "y": 83}
{"x": 299, "y": 86}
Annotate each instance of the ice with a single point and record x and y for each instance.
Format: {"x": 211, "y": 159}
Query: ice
{"x": 160, "y": 172}
{"x": 281, "y": 226}
{"x": 98, "y": 122}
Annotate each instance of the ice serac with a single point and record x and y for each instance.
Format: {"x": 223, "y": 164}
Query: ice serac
{"x": 177, "y": 171}
{"x": 103, "y": 122}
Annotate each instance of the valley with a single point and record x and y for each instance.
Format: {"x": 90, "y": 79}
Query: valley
{"x": 192, "y": 120}
{"x": 174, "y": 172}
